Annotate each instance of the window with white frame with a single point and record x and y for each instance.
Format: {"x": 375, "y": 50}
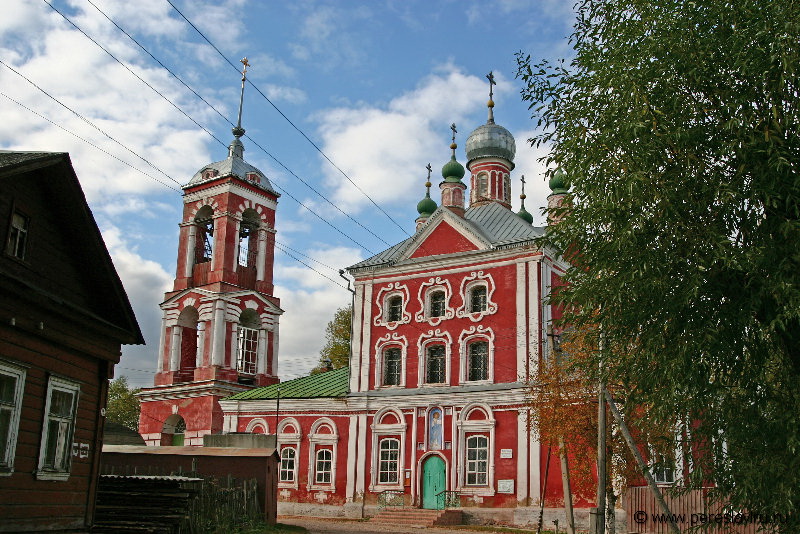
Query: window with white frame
{"x": 288, "y": 465}
{"x": 18, "y": 236}
{"x": 323, "y": 466}
{"x": 435, "y": 364}
{"x": 392, "y": 366}
{"x": 436, "y": 303}
{"x": 247, "y": 351}
{"x": 477, "y": 464}
{"x": 394, "y": 308}
{"x": 55, "y": 453}
{"x": 477, "y": 299}
{"x": 478, "y": 361}
{"x": 12, "y": 385}
{"x": 663, "y": 469}
{"x": 389, "y": 461}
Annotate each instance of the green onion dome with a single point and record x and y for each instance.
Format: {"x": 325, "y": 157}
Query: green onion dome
{"x": 427, "y": 205}
{"x": 558, "y": 183}
{"x": 524, "y": 215}
{"x": 453, "y": 171}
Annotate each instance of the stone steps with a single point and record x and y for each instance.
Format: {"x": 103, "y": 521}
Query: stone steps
{"x": 419, "y": 517}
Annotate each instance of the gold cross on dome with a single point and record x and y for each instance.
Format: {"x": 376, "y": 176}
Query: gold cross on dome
{"x": 246, "y": 64}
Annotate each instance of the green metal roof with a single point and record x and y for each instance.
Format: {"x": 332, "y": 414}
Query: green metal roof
{"x": 330, "y": 384}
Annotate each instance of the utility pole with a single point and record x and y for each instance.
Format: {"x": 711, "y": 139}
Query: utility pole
{"x": 600, "y": 516}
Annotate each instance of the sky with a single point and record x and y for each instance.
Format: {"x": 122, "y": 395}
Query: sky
{"x": 143, "y": 94}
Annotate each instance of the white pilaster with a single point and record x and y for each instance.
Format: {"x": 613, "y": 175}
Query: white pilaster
{"x": 521, "y": 325}
{"x": 523, "y": 438}
{"x": 218, "y": 341}
{"x": 355, "y": 342}
{"x": 366, "y": 357}
{"x": 162, "y": 357}
{"x": 261, "y": 352}
{"x": 274, "y": 360}
{"x": 191, "y": 243}
{"x": 352, "y": 436}
{"x": 201, "y": 342}
{"x": 218, "y": 247}
{"x": 175, "y": 349}
{"x": 534, "y": 309}
{"x": 262, "y": 253}
{"x": 361, "y": 460}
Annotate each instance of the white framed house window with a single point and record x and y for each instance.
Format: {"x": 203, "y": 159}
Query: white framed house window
{"x": 17, "y": 243}
{"x": 288, "y": 469}
{"x": 390, "y": 358}
{"x": 388, "y": 444}
{"x": 476, "y": 347}
{"x": 289, "y": 444}
{"x": 55, "y": 454}
{"x": 323, "y": 441}
{"x": 434, "y": 298}
{"x": 12, "y": 387}
{"x": 389, "y": 461}
{"x": 392, "y": 301}
{"x": 477, "y": 291}
{"x": 247, "y": 342}
{"x": 434, "y": 349}
{"x": 476, "y": 445}
{"x": 477, "y": 461}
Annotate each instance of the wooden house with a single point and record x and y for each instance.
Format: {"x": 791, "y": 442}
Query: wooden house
{"x": 63, "y": 317}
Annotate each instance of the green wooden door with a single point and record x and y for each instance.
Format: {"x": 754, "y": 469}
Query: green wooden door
{"x": 433, "y": 481}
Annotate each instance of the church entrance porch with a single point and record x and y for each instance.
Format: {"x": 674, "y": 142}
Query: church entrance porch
{"x": 433, "y": 481}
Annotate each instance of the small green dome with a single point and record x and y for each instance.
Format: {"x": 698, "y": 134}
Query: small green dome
{"x": 452, "y": 171}
{"x": 558, "y": 183}
{"x": 426, "y": 206}
{"x": 524, "y": 215}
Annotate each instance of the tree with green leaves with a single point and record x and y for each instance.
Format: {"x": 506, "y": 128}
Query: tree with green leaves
{"x": 676, "y": 124}
{"x": 336, "y": 352}
{"x": 123, "y": 406}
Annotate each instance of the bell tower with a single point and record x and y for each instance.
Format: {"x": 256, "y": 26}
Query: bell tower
{"x": 219, "y": 326}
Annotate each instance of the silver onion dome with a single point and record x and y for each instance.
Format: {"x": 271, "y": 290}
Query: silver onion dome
{"x": 491, "y": 140}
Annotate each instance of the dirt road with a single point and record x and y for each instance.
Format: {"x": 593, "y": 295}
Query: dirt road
{"x": 316, "y": 525}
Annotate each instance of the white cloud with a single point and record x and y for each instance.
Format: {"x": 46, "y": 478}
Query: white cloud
{"x": 145, "y": 283}
{"x": 330, "y": 35}
{"x": 385, "y": 149}
{"x": 310, "y": 302}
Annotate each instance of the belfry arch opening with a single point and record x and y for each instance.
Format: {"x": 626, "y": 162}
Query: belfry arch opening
{"x": 187, "y": 322}
{"x": 172, "y": 433}
{"x": 248, "y": 238}
{"x": 204, "y": 245}
{"x": 247, "y": 345}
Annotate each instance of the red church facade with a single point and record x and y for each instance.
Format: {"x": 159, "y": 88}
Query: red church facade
{"x": 448, "y": 329}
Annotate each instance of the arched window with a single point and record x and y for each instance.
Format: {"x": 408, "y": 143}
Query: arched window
{"x": 478, "y": 364}
{"x": 392, "y": 366}
{"x": 436, "y": 303}
{"x": 435, "y": 369}
{"x": 477, "y": 464}
{"x": 204, "y": 246}
{"x": 288, "y": 467}
{"x": 248, "y": 238}
{"x": 172, "y": 433}
{"x": 247, "y": 333}
{"x": 389, "y": 461}
{"x": 483, "y": 186}
{"x": 477, "y": 299}
{"x": 323, "y": 467}
{"x": 394, "y": 308}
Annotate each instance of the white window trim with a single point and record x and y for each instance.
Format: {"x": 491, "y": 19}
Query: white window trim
{"x": 258, "y": 421}
{"x": 466, "y": 459}
{"x": 381, "y": 431}
{"x": 386, "y": 342}
{"x": 425, "y": 291}
{"x": 476, "y": 278}
{"x": 677, "y": 469}
{"x": 433, "y": 337}
{"x": 475, "y": 333}
{"x": 62, "y": 384}
{"x": 395, "y": 289}
{"x": 316, "y": 442}
{"x": 290, "y": 439}
{"x": 18, "y": 372}
{"x": 485, "y": 427}
{"x": 288, "y": 483}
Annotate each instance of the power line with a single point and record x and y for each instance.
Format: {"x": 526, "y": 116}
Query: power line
{"x": 293, "y": 125}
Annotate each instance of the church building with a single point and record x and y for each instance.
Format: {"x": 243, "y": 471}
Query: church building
{"x": 449, "y": 327}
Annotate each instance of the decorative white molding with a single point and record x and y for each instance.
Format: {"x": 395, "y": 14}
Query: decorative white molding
{"x": 258, "y": 421}
{"x": 423, "y": 295}
{"x": 319, "y": 441}
{"x": 486, "y": 427}
{"x": 384, "y": 294}
{"x": 476, "y": 279}
{"x": 476, "y": 333}
{"x": 433, "y": 337}
{"x": 389, "y": 340}
{"x": 381, "y": 431}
